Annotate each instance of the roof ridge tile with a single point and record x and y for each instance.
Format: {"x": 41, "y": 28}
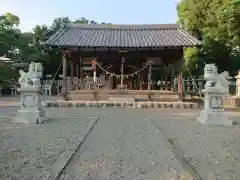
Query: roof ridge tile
{"x": 122, "y": 26}
{"x": 128, "y": 36}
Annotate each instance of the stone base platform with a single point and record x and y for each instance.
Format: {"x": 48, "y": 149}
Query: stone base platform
{"x": 30, "y": 116}
{"x": 214, "y": 118}
{"x": 232, "y": 101}
{"x": 107, "y": 104}
{"x": 105, "y": 95}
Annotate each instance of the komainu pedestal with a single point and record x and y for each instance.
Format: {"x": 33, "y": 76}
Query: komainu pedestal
{"x": 213, "y": 112}
{"x": 31, "y": 111}
{"x": 216, "y": 88}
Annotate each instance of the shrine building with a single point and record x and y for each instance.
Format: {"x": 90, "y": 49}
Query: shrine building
{"x": 108, "y": 59}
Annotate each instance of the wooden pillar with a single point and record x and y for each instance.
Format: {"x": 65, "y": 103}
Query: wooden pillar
{"x": 178, "y": 66}
{"x": 149, "y": 76}
{"x": 72, "y": 73}
{"x": 180, "y": 85}
{"x": 166, "y": 80}
{"x": 81, "y": 70}
{"x": 172, "y": 79}
{"x": 64, "y": 85}
{"x": 110, "y": 82}
{"x": 140, "y": 82}
{"x": 77, "y": 73}
{"x": 180, "y": 88}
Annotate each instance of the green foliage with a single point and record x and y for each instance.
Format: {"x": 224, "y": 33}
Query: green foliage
{"x": 217, "y": 23}
{"x": 27, "y": 47}
{"x": 190, "y": 54}
{"x": 6, "y": 74}
{"x": 8, "y": 33}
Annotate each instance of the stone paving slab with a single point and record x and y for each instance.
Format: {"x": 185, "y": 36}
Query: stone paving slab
{"x": 123, "y": 145}
{"x": 39, "y": 151}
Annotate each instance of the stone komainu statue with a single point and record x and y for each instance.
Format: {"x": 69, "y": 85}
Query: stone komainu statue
{"x": 32, "y": 77}
{"x": 215, "y": 80}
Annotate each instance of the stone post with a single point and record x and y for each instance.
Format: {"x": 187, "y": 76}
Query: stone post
{"x": 31, "y": 111}
{"x": 216, "y": 88}
{"x": 94, "y": 66}
{"x": 175, "y": 83}
{"x": 238, "y": 84}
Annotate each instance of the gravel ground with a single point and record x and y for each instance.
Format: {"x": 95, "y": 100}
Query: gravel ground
{"x": 38, "y": 151}
{"x": 125, "y": 144}
{"x": 213, "y": 151}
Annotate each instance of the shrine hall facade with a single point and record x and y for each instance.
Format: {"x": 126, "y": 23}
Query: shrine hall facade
{"x": 132, "y": 57}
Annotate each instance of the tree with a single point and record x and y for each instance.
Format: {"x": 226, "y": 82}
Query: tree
{"x": 59, "y": 23}
{"x": 27, "y": 47}
{"x": 217, "y": 24}
{"x": 229, "y": 18}
{"x": 9, "y": 33}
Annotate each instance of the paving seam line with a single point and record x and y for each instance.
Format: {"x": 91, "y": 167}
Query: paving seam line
{"x": 10, "y": 117}
{"x": 49, "y": 117}
{"x": 90, "y": 128}
{"x": 175, "y": 148}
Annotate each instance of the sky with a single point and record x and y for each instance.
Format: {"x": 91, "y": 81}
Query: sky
{"x": 33, "y": 12}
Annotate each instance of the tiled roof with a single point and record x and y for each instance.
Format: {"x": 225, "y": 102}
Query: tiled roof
{"x": 106, "y": 35}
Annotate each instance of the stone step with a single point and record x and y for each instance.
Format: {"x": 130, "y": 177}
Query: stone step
{"x": 107, "y": 104}
{"x": 122, "y": 99}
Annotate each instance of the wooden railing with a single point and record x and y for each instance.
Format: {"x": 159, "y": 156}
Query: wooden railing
{"x": 190, "y": 86}
{"x": 194, "y": 86}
